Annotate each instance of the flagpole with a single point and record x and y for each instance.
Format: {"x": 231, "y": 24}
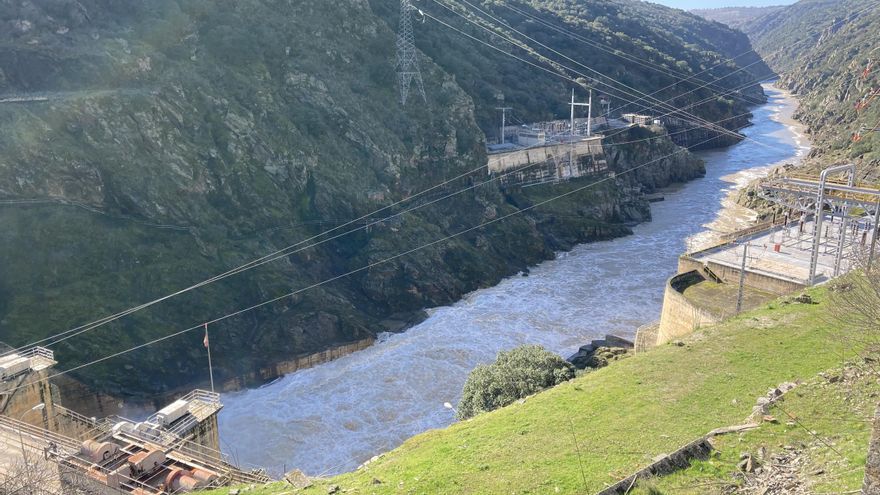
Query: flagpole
{"x": 210, "y": 367}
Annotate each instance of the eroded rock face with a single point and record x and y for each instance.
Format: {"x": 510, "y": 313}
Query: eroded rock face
{"x": 601, "y": 353}
{"x": 170, "y": 141}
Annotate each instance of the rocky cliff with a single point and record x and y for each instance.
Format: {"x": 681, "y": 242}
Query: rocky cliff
{"x": 821, "y": 49}
{"x": 162, "y": 142}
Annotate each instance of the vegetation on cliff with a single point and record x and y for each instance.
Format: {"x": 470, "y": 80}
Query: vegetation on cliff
{"x": 644, "y": 46}
{"x": 821, "y": 49}
{"x": 737, "y": 17}
{"x": 173, "y": 140}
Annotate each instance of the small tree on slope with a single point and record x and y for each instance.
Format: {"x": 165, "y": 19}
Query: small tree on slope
{"x": 515, "y": 374}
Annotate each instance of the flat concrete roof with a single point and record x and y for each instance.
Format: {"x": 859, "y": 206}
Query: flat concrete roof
{"x": 792, "y": 262}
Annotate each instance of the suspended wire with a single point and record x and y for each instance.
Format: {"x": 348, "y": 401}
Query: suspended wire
{"x": 760, "y": 59}
{"x": 625, "y": 56}
{"x": 630, "y": 91}
{"x": 362, "y": 268}
{"x": 287, "y": 251}
{"x": 57, "y": 338}
{"x": 527, "y": 48}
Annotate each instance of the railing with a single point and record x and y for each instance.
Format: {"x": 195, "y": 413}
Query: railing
{"x": 40, "y": 436}
{"x": 38, "y": 352}
{"x": 198, "y": 401}
{"x": 754, "y": 229}
{"x": 832, "y": 180}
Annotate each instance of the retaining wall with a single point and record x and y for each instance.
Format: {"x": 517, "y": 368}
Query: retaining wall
{"x": 501, "y": 162}
{"x": 23, "y": 393}
{"x": 299, "y": 363}
{"x": 680, "y": 316}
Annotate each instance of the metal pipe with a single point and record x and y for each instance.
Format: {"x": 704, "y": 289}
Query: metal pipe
{"x": 820, "y": 206}
{"x": 742, "y": 279}
{"x": 876, "y": 233}
{"x": 845, "y": 225}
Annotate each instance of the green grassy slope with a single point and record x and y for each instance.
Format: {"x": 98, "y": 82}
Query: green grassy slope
{"x": 826, "y": 422}
{"x": 621, "y": 416}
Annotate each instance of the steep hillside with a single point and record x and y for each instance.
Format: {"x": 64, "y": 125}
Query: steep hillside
{"x": 643, "y": 45}
{"x": 737, "y": 17}
{"x": 821, "y": 49}
{"x": 168, "y": 141}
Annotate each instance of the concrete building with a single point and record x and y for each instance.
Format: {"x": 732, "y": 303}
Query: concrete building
{"x": 175, "y": 450}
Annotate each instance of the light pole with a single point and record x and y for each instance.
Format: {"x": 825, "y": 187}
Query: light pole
{"x": 38, "y": 407}
{"x": 447, "y": 405}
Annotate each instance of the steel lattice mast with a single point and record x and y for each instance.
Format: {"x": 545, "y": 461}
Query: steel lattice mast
{"x": 407, "y": 64}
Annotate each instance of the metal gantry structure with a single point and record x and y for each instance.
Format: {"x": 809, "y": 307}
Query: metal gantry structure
{"x": 833, "y": 194}
{"x": 407, "y": 62}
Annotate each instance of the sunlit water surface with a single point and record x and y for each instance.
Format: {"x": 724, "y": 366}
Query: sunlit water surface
{"x": 333, "y": 417}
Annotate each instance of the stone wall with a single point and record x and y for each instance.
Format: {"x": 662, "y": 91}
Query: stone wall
{"x": 74, "y": 425}
{"x": 680, "y": 316}
{"x": 22, "y": 393}
{"x": 299, "y": 363}
{"x": 206, "y": 435}
{"x": 646, "y": 337}
{"x": 501, "y": 162}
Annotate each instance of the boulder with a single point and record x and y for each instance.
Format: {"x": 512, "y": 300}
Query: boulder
{"x": 298, "y": 479}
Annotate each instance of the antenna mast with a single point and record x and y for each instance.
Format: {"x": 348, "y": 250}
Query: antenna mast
{"x": 407, "y": 66}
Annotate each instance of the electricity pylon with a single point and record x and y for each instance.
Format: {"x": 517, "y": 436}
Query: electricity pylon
{"x": 407, "y": 65}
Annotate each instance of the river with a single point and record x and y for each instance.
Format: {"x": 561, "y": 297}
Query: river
{"x": 331, "y": 418}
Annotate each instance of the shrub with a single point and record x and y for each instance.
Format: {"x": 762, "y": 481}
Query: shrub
{"x": 515, "y": 374}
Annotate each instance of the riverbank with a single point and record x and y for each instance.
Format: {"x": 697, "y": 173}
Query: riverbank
{"x": 733, "y": 216}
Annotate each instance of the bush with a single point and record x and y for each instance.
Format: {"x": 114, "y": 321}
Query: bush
{"x": 514, "y": 374}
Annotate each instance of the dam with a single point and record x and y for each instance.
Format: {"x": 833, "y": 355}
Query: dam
{"x": 333, "y": 417}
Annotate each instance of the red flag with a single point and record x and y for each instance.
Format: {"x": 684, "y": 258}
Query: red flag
{"x": 206, "y": 336}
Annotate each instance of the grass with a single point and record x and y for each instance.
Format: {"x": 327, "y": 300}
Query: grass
{"x": 828, "y": 421}
{"x": 720, "y": 299}
{"x": 621, "y": 416}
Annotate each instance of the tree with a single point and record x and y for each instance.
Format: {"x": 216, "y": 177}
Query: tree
{"x": 35, "y": 475}
{"x": 515, "y": 374}
{"x": 855, "y": 303}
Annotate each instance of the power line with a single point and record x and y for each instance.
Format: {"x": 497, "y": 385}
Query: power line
{"x": 565, "y": 56}
{"x": 74, "y": 332}
{"x": 363, "y": 268}
{"x": 781, "y": 49}
{"x": 625, "y": 56}
{"x": 283, "y": 252}
{"x": 627, "y": 91}
{"x": 527, "y": 48}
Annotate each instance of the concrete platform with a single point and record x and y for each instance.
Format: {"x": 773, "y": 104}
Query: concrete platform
{"x": 720, "y": 299}
{"x": 792, "y": 261}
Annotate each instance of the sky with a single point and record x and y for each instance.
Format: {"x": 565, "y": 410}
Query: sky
{"x": 712, "y": 4}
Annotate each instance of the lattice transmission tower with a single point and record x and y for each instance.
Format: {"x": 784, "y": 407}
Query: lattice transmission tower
{"x": 407, "y": 64}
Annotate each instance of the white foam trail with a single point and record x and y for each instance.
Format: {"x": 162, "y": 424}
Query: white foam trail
{"x": 331, "y": 418}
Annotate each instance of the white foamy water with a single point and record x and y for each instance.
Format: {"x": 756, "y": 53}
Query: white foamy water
{"x": 331, "y": 418}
